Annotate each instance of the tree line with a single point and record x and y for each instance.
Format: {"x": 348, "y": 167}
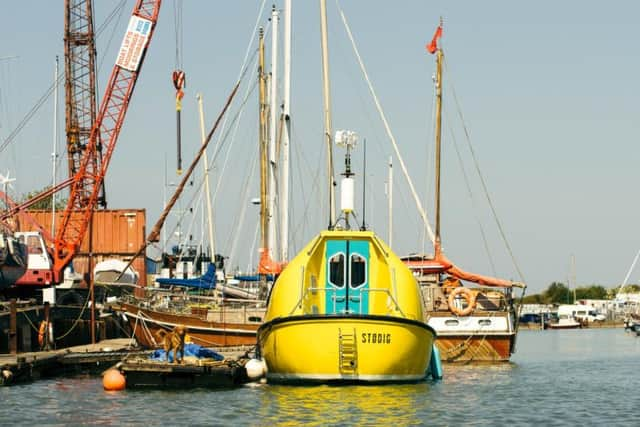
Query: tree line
{"x": 559, "y": 293}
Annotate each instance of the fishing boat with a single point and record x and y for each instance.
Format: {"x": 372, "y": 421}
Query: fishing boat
{"x": 13, "y": 259}
{"x": 474, "y": 323}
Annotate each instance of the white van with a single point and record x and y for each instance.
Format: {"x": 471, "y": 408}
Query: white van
{"x": 581, "y": 312}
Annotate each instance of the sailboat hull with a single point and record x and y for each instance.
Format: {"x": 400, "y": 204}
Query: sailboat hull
{"x": 480, "y": 337}
{"x": 346, "y": 349}
{"x": 231, "y": 327}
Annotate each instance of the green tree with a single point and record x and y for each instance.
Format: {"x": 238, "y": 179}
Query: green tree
{"x": 558, "y": 293}
{"x": 45, "y": 204}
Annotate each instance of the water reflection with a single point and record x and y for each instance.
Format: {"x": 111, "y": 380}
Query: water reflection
{"x": 396, "y": 405}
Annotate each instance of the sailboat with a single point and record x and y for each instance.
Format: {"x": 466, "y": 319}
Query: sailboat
{"x": 345, "y": 309}
{"x": 474, "y": 324}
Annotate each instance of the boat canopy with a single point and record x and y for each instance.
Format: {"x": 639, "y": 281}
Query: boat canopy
{"x": 206, "y": 281}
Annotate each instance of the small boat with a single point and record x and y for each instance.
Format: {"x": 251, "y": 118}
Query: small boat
{"x": 13, "y": 259}
{"x": 565, "y": 321}
{"x": 114, "y": 271}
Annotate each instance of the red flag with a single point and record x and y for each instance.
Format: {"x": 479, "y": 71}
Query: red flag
{"x": 433, "y": 46}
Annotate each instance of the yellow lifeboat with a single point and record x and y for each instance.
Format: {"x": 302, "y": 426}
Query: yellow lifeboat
{"x": 346, "y": 308}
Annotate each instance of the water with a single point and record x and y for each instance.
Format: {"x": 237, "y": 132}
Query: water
{"x": 557, "y": 378}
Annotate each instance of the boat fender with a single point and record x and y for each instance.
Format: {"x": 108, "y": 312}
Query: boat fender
{"x": 255, "y": 368}
{"x": 468, "y": 295}
{"x": 435, "y": 364}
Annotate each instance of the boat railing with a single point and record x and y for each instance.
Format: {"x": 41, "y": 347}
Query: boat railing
{"x": 312, "y": 290}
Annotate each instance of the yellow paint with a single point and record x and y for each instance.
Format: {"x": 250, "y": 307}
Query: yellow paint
{"x": 300, "y": 342}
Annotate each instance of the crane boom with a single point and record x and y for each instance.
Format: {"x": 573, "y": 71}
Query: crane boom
{"x": 80, "y": 84}
{"x": 89, "y": 178}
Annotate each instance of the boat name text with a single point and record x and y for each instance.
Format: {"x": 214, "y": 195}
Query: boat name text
{"x": 374, "y": 338}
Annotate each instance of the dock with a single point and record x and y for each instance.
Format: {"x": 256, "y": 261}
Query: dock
{"x": 133, "y": 363}
{"x": 26, "y": 367}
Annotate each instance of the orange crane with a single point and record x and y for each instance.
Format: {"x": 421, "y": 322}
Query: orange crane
{"x": 80, "y": 84}
{"x": 86, "y": 183}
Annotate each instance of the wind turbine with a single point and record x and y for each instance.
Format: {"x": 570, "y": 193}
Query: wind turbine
{"x": 6, "y": 181}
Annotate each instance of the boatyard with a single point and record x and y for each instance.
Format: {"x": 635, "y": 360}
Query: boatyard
{"x": 318, "y": 213}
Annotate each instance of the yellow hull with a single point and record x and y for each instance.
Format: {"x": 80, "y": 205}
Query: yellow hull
{"x": 346, "y": 348}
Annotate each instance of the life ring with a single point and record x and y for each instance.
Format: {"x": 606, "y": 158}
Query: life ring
{"x": 468, "y": 295}
{"x": 42, "y": 332}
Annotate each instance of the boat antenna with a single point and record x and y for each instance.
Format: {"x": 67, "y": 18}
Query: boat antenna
{"x": 363, "y": 227}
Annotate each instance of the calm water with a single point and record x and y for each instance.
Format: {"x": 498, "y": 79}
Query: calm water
{"x": 574, "y": 377}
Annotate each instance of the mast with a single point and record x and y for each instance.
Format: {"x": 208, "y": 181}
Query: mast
{"x": 439, "y": 57}
{"x": 327, "y": 112}
{"x": 262, "y": 83}
{"x": 284, "y": 185}
{"x": 273, "y": 99}
{"x": 205, "y": 164}
{"x": 390, "y": 197}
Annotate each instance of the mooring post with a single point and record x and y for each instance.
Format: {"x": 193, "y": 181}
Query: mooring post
{"x": 13, "y": 327}
{"x": 47, "y": 320}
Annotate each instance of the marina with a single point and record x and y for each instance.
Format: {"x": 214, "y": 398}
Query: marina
{"x": 357, "y": 230}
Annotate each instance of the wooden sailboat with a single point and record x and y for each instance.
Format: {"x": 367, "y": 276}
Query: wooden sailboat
{"x": 474, "y": 324}
{"x": 345, "y": 308}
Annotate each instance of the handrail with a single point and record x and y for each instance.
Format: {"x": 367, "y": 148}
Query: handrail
{"x": 334, "y": 290}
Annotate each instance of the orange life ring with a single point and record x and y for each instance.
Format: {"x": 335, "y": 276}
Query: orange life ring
{"x": 468, "y": 295}
{"x": 42, "y": 332}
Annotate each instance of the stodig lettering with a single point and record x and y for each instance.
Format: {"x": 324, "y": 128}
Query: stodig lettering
{"x": 376, "y": 338}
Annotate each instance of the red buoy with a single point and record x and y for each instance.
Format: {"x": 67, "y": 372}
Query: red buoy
{"x": 113, "y": 380}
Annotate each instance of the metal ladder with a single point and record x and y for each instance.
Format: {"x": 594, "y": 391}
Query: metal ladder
{"x": 348, "y": 352}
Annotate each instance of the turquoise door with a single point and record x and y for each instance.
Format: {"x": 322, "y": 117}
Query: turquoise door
{"x": 347, "y": 277}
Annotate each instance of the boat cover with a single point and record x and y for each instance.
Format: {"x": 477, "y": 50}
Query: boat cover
{"x": 206, "y": 281}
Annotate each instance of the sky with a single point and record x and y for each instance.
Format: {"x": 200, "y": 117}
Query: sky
{"x": 547, "y": 91}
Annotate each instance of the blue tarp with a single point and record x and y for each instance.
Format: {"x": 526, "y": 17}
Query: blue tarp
{"x": 190, "y": 349}
{"x": 207, "y": 281}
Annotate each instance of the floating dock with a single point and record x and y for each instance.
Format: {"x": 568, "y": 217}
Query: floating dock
{"x": 145, "y": 373}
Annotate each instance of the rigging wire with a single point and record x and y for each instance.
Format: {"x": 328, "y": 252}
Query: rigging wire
{"x": 473, "y": 201}
{"x": 482, "y": 181}
{"x": 423, "y": 212}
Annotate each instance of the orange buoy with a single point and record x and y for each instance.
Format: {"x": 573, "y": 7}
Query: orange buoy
{"x": 113, "y": 380}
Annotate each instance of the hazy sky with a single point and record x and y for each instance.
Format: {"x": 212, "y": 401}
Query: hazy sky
{"x": 548, "y": 90}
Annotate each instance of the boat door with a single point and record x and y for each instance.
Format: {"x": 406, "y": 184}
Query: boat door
{"x": 347, "y": 277}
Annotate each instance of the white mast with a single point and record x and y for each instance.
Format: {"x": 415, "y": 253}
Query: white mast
{"x": 390, "y": 196}
{"x": 327, "y": 111}
{"x": 205, "y": 164}
{"x": 54, "y": 154}
{"x": 284, "y": 187}
{"x": 273, "y": 100}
